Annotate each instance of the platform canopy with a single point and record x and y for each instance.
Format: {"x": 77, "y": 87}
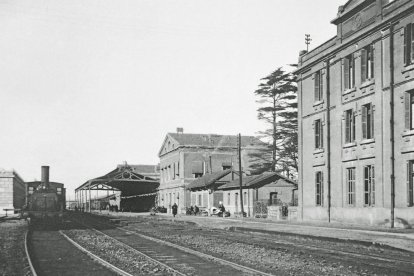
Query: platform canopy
{"x": 123, "y": 179}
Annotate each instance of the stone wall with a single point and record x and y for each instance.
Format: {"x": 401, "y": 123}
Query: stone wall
{"x": 12, "y": 191}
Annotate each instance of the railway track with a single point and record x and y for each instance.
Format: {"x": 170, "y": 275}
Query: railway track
{"x": 389, "y": 262}
{"x": 402, "y": 265}
{"x": 51, "y": 253}
{"x": 181, "y": 260}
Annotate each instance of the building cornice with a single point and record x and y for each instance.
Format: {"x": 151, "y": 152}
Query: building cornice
{"x": 324, "y": 56}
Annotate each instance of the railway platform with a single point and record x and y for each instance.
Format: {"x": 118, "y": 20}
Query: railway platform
{"x": 396, "y": 238}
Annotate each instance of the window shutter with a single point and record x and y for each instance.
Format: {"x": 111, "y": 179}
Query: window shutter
{"x": 372, "y": 121}
{"x": 353, "y": 124}
{"x": 352, "y": 71}
{"x": 409, "y": 185}
{"x": 346, "y": 73}
{"x": 407, "y": 44}
{"x": 316, "y": 188}
{"x": 321, "y": 136}
{"x": 364, "y": 122}
{"x": 371, "y": 64}
{"x": 347, "y": 128}
{"x": 372, "y": 185}
{"x": 321, "y": 189}
{"x": 316, "y": 81}
{"x": 407, "y": 112}
{"x": 321, "y": 86}
{"x": 411, "y": 43}
{"x": 364, "y": 59}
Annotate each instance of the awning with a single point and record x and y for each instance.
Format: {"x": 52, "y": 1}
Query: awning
{"x": 123, "y": 179}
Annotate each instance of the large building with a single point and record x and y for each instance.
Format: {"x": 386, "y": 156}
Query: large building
{"x": 185, "y": 157}
{"x": 356, "y": 110}
{"x": 12, "y": 191}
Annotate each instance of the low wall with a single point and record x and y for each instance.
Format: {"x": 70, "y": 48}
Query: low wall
{"x": 404, "y": 217}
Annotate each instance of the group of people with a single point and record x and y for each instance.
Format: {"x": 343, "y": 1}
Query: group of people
{"x": 195, "y": 210}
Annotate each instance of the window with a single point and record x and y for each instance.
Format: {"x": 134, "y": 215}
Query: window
{"x": 369, "y": 186}
{"x": 409, "y": 44}
{"x": 350, "y": 186}
{"x": 273, "y": 198}
{"x": 319, "y": 188}
{"x": 228, "y": 198}
{"x": 31, "y": 190}
{"x": 236, "y": 201}
{"x": 349, "y": 126}
{"x": 178, "y": 170}
{"x": 367, "y": 63}
{"x": 245, "y": 198}
{"x": 349, "y": 72}
{"x": 409, "y": 110}
{"x": 367, "y": 121}
{"x": 59, "y": 191}
{"x": 199, "y": 200}
{"x": 198, "y": 175}
{"x": 318, "y": 86}
{"x": 410, "y": 181}
{"x": 318, "y": 134}
{"x": 227, "y": 165}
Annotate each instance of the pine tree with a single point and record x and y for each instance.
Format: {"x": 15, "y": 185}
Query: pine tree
{"x": 278, "y": 109}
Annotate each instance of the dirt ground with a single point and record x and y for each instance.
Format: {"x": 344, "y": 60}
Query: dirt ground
{"x": 12, "y": 254}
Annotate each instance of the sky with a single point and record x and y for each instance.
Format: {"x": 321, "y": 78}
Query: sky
{"x": 88, "y": 84}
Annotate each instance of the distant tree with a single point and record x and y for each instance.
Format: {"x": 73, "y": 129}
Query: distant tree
{"x": 278, "y": 109}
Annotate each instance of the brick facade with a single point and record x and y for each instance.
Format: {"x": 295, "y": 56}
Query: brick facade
{"x": 349, "y": 177}
{"x": 184, "y": 157}
{"x": 12, "y": 191}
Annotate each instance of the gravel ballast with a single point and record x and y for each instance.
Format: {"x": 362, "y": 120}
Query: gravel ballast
{"x": 13, "y": 259}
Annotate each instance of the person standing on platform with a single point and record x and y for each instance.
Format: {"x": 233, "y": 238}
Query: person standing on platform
{"x": 174, "y": 209}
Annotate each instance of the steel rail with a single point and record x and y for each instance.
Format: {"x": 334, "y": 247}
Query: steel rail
{"x": 100, "y": 260}
{"x": 192, "y": 251}
{"x": 26, "y": 249}
{"x": 200, "y": 254}
{"x": 136, "y": 250}
{"x": 344, "y": 252}
{"x": 362, "y": 258}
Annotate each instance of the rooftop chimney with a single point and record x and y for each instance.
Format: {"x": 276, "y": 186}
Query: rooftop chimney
{"x": 180, "y": 130}
{"x": 45, "y": 176}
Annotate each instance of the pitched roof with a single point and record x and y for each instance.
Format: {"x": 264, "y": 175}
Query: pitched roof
{"x": 143, "y": 169}
{"x": 207, "y": 179}
{"x": 257, "y": 181}
{"x": 213, "y": 140}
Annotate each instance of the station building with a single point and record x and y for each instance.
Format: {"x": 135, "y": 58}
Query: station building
{"x": 356, "y": 109}
{"x": 130, "y": 188}
{"x": 185, "y": 157}
{"x": 12, "y": 191}
{"x": 259, "y": 191}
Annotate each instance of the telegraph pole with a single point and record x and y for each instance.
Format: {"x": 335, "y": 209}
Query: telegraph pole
{"x": 240, "y": 175}
{"x": 307, "y": 41}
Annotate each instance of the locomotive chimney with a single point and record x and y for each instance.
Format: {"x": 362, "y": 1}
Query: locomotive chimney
{"x": 45, "y": 176}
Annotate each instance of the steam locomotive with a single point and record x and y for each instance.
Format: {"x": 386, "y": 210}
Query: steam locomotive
{"x": 45, "y": 201}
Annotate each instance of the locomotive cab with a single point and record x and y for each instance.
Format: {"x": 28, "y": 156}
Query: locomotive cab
{"x": 45, "y": 200}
